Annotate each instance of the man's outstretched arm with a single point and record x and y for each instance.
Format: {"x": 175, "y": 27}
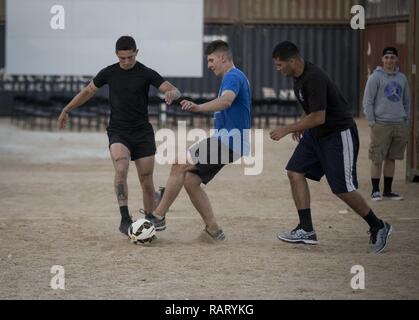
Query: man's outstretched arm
{"x": 84, "y": 95}
{"x": 171, "y": 93}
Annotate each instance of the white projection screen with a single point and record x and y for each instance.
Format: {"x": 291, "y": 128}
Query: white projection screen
{"x": 77, "y": 37}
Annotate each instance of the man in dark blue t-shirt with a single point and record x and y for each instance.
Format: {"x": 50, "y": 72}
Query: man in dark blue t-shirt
{"x": 328, "y": 145}
{"x": 130, "y": 134}
{"x": 232, "y": 121}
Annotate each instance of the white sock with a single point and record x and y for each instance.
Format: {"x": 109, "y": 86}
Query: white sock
{"x": 157, "y": 216}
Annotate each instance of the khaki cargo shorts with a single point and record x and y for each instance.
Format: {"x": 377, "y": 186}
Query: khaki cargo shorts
{"x": 388, "y": 141}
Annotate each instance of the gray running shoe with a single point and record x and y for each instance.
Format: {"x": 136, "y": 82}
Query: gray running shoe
{"x": 217, "y": 235}
{"x": 379, "y": 238}
{"x": 160, "y": 225}
{"x": 299, "y": 235}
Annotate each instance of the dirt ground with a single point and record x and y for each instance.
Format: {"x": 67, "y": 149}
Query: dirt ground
{"x": 57, "y": 207}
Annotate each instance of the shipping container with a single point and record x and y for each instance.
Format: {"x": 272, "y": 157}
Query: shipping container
{"x": 374, "y": 39}
{"x": 279, "y": 11}
{"x": 333, "y": 48}
{"x": 297, "y": 11}
{"x": 207, "y": 86}
{"x": 387, "y": 10}
{"x": 2, "y": 10}
{"x": 2, "y": 45}
{"x": 222, "y": 11}
{"x": 412, "y": 161}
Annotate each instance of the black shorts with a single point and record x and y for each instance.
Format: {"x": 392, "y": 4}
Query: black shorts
{"x": 140, "y": 143}
{"x": 209, "y": 156}
{"x": 334, "y": 156}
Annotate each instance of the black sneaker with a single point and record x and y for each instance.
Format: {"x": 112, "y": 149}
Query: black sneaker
{"x": 124, "y": 225}
{"x": 392, "y": 196}
{"x": 159, "y": 224}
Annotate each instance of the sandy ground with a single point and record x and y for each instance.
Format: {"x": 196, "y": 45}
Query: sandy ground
{"x": 58, "y": 208}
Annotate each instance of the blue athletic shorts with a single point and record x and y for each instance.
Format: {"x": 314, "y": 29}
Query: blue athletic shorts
{"x": 334, "y": 156}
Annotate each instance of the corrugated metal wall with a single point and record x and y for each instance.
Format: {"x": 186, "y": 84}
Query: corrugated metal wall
{"x": 334, "y": 48}
{"x": 2, "y": 45}
{"x": 412, "y": 159}
{"x": 207, "y": 86}
{"x": 388, "y": 10}
{"x": 279, "y": 11}
{"x": 296, "y": 11}
{"x": 2, "y": 10}
{"x": 221, "y": 11}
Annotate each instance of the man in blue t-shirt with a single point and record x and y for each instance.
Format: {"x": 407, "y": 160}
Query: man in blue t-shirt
{"x": 232, "y": 122}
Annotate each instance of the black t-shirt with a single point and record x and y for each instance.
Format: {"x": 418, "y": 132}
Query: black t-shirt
{"x": 315, "y": 92}
{"x": 128, "y": 94}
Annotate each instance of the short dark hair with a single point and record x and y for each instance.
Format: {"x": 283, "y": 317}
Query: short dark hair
{"x": 125, "y": 43}
{"x": 219, "y": 46}
{"x": 285, "y": 50}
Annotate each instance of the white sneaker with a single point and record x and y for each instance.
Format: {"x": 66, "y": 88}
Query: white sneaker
{"x": 376, "y": 196}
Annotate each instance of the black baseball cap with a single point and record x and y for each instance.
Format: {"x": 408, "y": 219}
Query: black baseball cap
{"x": 390, "y": 50}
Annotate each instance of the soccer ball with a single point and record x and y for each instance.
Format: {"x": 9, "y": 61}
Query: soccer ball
{"x": 141, "y": 231}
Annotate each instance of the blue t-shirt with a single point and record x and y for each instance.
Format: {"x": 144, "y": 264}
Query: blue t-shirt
{"x": 236, "y": 119}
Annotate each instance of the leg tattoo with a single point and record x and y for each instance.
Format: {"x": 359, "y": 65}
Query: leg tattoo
{"x": 120, "y": 191}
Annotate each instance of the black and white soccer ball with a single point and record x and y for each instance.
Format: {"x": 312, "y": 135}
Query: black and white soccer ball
{"x": 141, "y": 231}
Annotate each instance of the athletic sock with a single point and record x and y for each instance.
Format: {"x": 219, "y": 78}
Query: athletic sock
{"x": 375, "y": 185}
{"x": 157, "y": 216}
{"x": 388, "y": 181}
{"x": 124, "y": 213}
{"x": 373, "y": 221}
{"x": 305, "y": 219}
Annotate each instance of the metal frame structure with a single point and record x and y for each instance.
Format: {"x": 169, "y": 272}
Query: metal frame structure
{"x": 412, "y": 160}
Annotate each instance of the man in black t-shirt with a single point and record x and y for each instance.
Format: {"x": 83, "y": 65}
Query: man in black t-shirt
{"x": 328, "y": 145}
{"x": 130, "y": 134}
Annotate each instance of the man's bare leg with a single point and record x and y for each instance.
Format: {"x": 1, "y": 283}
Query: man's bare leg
{"x": 145, "y": 169}
{"x": 299, "y": 189}
{"x": 200, "y": 200}
{"x": 120, "y": 156}
{"x": 356, "y": 202}
{"x": 304, "y": 233}
{"x": 173, "y": 186}
{"x": 376, "y": 170}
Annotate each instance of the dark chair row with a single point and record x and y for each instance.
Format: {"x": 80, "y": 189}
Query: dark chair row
{"x": 279, "y": 111}
{"x": 265, "y": 112}
{"x": 34, "y": 113}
